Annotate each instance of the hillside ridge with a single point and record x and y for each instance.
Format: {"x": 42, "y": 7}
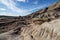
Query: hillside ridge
{"x": 43, "y": 24}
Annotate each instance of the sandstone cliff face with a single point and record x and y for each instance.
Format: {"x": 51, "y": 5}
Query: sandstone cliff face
{"x": 41, "y": 25}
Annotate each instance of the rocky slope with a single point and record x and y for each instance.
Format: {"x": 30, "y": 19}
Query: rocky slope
{"x": 41, "y": 25}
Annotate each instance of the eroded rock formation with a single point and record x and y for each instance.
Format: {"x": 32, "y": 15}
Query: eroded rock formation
{"x": 41, "y": 25}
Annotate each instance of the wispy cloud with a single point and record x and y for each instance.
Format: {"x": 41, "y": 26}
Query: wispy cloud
{"x": 8, "y": 14}
{"x": 5, "y": 13}
{"x": 10, "y": 4}
{"x": 2, "y": 9}
{"x": 22, "y": 0}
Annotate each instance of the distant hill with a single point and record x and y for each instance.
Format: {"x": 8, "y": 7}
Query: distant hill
{"x": 3, "y": 16}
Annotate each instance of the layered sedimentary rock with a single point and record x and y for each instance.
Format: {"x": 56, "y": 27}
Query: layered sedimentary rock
{"x": 41, "y": 25}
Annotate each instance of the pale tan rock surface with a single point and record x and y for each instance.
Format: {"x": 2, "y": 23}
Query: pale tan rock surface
{"x": 45, "y": 31}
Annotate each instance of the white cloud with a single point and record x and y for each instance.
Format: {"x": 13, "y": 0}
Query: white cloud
{"x": 10, "y": 4}
{"x": 4, "y": 13}
{"x": 3, "y": 9}
{"x": 8, "y": 14}
{"x": 22, "y": 0}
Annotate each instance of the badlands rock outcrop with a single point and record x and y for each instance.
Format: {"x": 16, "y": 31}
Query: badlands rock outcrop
{"x": 41, "y": 25}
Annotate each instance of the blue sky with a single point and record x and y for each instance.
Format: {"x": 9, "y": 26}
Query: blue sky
{"x": 22, "y": 7}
